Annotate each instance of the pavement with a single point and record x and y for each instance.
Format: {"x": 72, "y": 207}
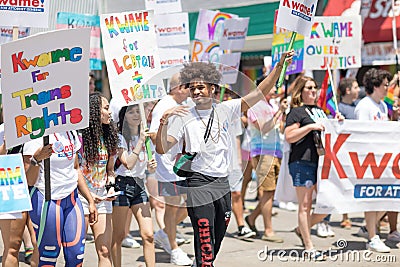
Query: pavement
{"x": 345, "y": 249}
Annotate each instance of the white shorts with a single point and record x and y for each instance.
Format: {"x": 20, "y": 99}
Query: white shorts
{"x": 104, "y": 207}
{"x": 11, "y": 216}
{"x": 235, "y": 178}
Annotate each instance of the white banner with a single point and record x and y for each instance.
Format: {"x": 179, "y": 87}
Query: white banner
{"x": 229, "y": 67}
{"x": 378, "y": 54}
{"x": 131, "y": 53}
{"x": 297, "y": 15}
{"x": 45, "y": 84}
{"x": 173, "y": 56}
{"x": 334, "y": 41}
{"x": 28, "y": 13}
{"x": 210, "y": 24}
{"x": 163, "y": 6}
{"x": 172, "y": 29}
{"x": 234, "y": 35}
{"x": 356, "y": 174}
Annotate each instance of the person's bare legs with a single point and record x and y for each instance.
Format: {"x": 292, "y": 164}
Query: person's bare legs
{"x": 237, "y": 207}
{"x": 371, "y": 220}
{"x": 247, "y": 169}
{"x": 12, "y": 231}
{"x": 128, "y": 223}
{"x": 35, "y": 255}
{"x": 392, "y": 215}
{"x": 304, "y": 196}
{"x": 171, "y": 210}
{"x": 156, "y": 201}
{"x": 119, "y": 233}
{"x": 102, "y": 231}
{"x": 142, "y": 214}
{"x": 266, "y": 210}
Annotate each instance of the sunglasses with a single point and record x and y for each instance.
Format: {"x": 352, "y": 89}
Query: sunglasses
{"x": 311, "y": 87}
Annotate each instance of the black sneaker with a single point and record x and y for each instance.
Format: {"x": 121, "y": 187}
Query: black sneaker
{"x": 246, "y": 233}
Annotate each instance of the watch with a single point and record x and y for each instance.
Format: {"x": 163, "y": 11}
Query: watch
{"x": 34, "y": 162}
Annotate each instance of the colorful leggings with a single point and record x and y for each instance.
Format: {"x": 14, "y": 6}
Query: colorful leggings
{"x": 62, "y": 225}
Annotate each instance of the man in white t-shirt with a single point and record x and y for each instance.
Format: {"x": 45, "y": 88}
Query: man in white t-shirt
{"x": 372, "y": 108}
{"x": 170, "y": 186}
{"x": 205, "y": 131}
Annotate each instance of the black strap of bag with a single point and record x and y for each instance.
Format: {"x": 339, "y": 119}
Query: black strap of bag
{"x": 209, "y": 126}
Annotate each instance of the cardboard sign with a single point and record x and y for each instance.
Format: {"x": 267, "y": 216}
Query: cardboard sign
{"x": 206, "y": 51}
{"x": 14, "y": 194}
{"x": 210, "y": 25}
{"x": 131, "y": 52}
{"x": 173, "y": 56}
{"x": 27, "y": 13}
{"x": 163, "y": 6}
{"x": 296, "y": 15}
{"x": 229, "y": 67}
{"x": 45, "y": 84}
{"x": 335, "y": 41}
{"x": 67, "y": 20}
{"x": 172, "y": 29}
{"x": 280, "y": 43}
{"x": 234, "y": 35}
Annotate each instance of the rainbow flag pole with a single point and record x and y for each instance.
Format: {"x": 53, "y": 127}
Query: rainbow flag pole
{"x": 285, "y": 65}
{"x": 147, "y": 141}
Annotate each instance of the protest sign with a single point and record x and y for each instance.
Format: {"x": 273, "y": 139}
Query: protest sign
{"x": 210, "y": 25}
{"x": 334, "y": 41}
{"x": 229, "y": 67}
{"x": 280, "y": 43}
{"x": 27, "y": 13}
{"x": 132, "y": 57}
{"x": 173, "y": 56}
{"x": 357, "y": 175}
{"x": 163, "y": 6}
{"x": 67, "y": 20}
{"x": 14, "y": 194}
{"x": 45, "y": 84}
{"x": 206, "y": 51}
{"x": 172, "y": 29}
{"x": 234, "y": 34}
{"x": 297, "y": 15}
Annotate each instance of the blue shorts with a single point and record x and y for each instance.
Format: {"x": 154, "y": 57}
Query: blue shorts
{"x": 171, "y": 189}
{"x": 134, "y": 191}
{"x": 304, "y": 173}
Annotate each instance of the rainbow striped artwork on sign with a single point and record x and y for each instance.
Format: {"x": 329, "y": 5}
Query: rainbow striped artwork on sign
{"x": 14, "y": 195}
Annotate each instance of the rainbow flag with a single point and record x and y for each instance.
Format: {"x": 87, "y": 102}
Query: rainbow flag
{"x": 325, "y": 100}
{"x": 389, "y": 99}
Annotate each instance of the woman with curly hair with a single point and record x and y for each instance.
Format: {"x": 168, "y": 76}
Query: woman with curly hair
{"x": 100, "y": 142}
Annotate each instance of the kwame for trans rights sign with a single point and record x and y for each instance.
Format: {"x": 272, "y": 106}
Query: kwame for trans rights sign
{"x": 45, "y": 84}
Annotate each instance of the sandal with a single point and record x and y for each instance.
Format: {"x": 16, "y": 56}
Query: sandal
{"x": 295, "y": 230}
{"x": 346, "y": 224}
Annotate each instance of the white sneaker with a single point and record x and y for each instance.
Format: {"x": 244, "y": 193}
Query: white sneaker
{"x": 394, "y": 236}
{"x": 246, "y": 233}
{"x": 129, "y": 242}
{"x": 161, "y": 240}
{"x": 321, "y": 230}
{"x": 291, "y": 206}
{"x": 363, "y": 232}
{"x": 329, "y": 230}
{"x": 377, "y": 245}
{"x": 178, "y": 257}
{"x": 181, "y": 239}
{"x": 282, "y": 205}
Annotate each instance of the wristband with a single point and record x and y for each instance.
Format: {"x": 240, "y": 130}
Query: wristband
{"x": 34, "y": 162}
{"x": 163, "y": 121}
{"x": 137, "y": 154}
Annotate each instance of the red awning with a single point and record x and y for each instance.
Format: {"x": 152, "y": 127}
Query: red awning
{"x": 336, "y": 7}
{"x": 378, "y": 25}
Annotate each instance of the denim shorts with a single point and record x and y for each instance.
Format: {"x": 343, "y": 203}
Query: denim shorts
{"x": 304, "y": 173}
{"x": 134, "y": 191}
